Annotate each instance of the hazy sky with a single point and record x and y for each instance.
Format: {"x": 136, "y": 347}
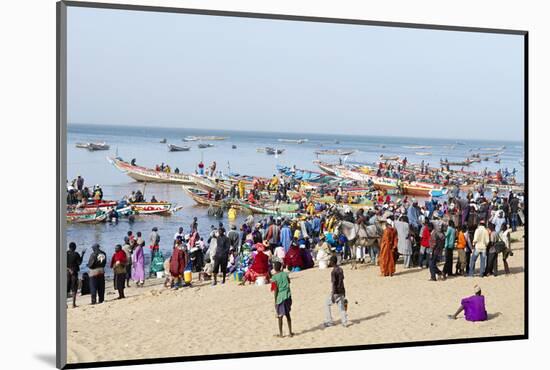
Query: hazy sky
{"x": 196, "y": 71}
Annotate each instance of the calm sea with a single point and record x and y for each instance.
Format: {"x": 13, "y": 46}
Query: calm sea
{"x": 143, "y": 144}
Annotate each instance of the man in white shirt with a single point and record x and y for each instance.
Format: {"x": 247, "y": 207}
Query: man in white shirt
{"x": 480, "y": 242}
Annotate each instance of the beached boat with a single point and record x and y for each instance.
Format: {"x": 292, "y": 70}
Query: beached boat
{"x": 273, "y": 151}
{"x": 87, "y": 217}
{"x": 456, "y": 163}
{"x": 293, "y": 141}
{"x": 282, "y": 210}
{"x": 148, "y": 208}
{"x": 334, "y": 152}
{"x": 205, "y": 198}
{"x": 205, "y": 145}
{"x": 175, "y": 148}
{"x": 144, "y": 174}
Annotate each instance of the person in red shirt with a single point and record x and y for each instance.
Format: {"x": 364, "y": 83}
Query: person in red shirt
{"x": 259, "y": 267}
{"x": 178, "y": 261}
{"x": 118, "y": 264}
{"x": 425, "y": 249}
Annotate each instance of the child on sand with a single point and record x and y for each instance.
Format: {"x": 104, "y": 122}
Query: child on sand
{"x": 280, "y": 285}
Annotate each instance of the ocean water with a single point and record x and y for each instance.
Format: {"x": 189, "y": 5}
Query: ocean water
{"x": 143, "y": 144}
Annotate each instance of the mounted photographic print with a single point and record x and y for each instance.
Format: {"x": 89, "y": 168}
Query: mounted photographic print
{"x": 238, "y": 184}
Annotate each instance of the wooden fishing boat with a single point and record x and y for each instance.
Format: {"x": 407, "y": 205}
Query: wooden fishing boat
{"x": 98, "y": 146}
{"x": 293, "y": 141}
{"x": 86, "y": 217}
{"x": 148, "y": 208}
{"x": 190, "y": 138}
{"x": 334, "y": 152}
{"x": 211, "y": 138}
{"x": 457, "y": 163}
{"x": 82, "y": 145}
{"x": 104, "y": 206}
{"x": 416, "y": 147}
{"x": 388, "y": 158}
{"x": 282, "y": 210}
{"x": 273, "y": 151}
{"x": 205, "y": 198}
{"x": 163, "y": 141}
{"x": 423, "y": 153}
{"x": 144, "y": 174}
{"x": 205, "y": 145}
{"x": 175, "y": 148}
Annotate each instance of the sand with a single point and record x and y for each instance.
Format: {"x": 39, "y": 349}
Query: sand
{"x": 158, "y": 322}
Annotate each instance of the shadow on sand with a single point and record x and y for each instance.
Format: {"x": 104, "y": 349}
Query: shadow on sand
{"x": 47, "y": 358}
{"x": 352, "y": 322}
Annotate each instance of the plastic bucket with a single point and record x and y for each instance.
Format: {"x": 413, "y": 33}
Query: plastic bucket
{"x": 160, "y": 274}
{"x": 260, "y": 280}
{"x": 323, "y": 265}
{"x": 187, "y": 277}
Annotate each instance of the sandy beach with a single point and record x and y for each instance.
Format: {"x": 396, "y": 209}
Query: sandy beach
{"x": 157, "y": 322}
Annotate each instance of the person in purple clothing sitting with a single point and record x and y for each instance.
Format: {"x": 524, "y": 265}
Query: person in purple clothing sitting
{"x": 473, "y": 307}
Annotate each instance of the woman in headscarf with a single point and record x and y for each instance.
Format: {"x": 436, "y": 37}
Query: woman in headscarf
{"x": 138, "y": 264}
{"x": 293, "y": 258}
{"x": 388, "y": 245}
{"x": 178, "y": 262}
{"x": 118, "y": 264}
{"x": 259, "y": 266}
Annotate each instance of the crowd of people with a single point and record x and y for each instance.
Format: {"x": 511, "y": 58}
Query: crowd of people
{"x": 452, "y": 234}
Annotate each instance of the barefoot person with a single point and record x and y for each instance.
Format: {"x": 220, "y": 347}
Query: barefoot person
{"x": 473, "y": 307}
{"x": 118, "y": 264}
{"x": 280, "y": 285}
{"x": 73, "y": 267}
{"x": 337, "y": 295}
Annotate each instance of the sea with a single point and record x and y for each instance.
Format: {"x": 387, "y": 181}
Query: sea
{"x": 143, "y": 144}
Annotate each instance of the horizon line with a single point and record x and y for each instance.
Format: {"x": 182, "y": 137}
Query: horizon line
{"x": 291, "y": 133}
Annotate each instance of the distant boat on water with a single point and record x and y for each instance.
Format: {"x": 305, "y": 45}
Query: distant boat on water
{"x": 273, "y": 151}
{"x": 334, "y": 152}
{"x": 423, "y": 153}
{"x": 459, "y": 143}
{"x": 190, "y": 138}
{"x": 93, "y": 146}
{"x": 293, "y": 141}
{"x": 175, "y": 148}
{"x": 417, "y": 147}
{"x": 205, "y": 145}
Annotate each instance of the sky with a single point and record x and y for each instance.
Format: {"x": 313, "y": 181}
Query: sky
{"x": 196, "y": 71}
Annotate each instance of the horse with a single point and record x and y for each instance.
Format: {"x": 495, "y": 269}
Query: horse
{"x": 360, "y": 237}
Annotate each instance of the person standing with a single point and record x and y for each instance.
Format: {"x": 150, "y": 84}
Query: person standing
{"x": 286, "y": 236}
{"x": 480, "y": 241}
{"x": 514, "y": 209}
{"x": 128, "y": 248}
{"x": 234, "y": 239}
{"x": 73, "y": 267}
{"x": 138, "y": 263}
{"x": 388, "y": 245}
{"x": 404, "y": 243}
{"x": 437, "y": 242}
{"x": 425, "y": 249}
{"x": 221, "y": 256}
{"x": 504, "y": 237}
{"x": 177, "y": 264}
{"x": 461, "y": 244}
{"x": 492, "y": 253}
{"x": 337, "y": 295}
{"x": 118, "y": 264}
{"x": 96, "y": 267}
{"x": 280, "y": 286}
{"x": 450, "y": 237}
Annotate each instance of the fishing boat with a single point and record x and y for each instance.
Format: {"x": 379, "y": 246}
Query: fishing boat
{"x": 456, "y": 163}
{"x": 144, "y": 174}
{"x": 82, "y": 145}
{"x": 334, "y": 152}
{"x": 205, "y": 145}
{"x": 87, "y": 217}
{"x": 388, "y": 158}
{"x": 98, "y": 146}
{"x": 148, "y": 208}
{"x": 103, "y": 206}
{"x": 497, "y": 160}
{"x": 417, "y": 147}
{"x": 499, "y": 149}
{"x": 190, "y": 138}
{"x": 260, "y": 150}
{"x": 282, "y": 210}
{"x": 273, "y": 151}
{"x": 163, "y": 141}
{"x": 459, "y": 143}
{"x": 293, "y": 141}
{"x": 211, "y": 138}
{"x": 423, "y": 153}
{"x": 204, "y": 198}
{"x": 233, "y": 146}
{"x": 175, "y": 148}
{"x": 304, "y": 175}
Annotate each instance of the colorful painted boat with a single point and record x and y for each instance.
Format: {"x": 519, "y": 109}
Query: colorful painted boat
{"x": 204, "y": 198}
{"x": 86, "y": 217}
{"x": 148, "y": 208}
{"x": 175, "y": 148}
{"x": 144, "y": 174}
{"x": 282, "y": 210}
